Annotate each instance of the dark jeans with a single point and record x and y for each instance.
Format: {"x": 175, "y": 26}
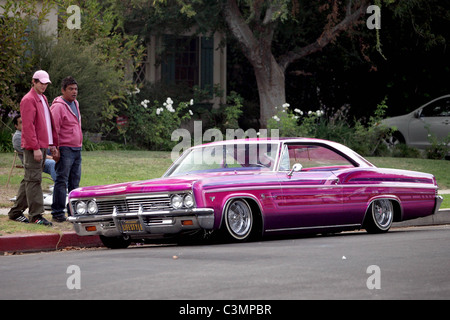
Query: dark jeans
{"x": 68, "y": 175}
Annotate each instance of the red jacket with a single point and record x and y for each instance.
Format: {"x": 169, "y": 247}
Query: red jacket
{"x": 34, "y": 129}
{"x": 67, "y": 125}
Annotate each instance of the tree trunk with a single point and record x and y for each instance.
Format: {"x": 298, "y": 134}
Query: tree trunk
{"x": 271, "y": 88}
{"x": 269, "y": 75}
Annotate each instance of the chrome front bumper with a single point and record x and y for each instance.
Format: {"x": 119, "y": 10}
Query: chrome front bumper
{"x": 143, "y": 223}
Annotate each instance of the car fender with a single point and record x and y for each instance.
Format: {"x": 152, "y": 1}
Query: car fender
{"x": 398, "y": 210}
{"x": 401, "y": 124}
{"x": 248, "y": 196}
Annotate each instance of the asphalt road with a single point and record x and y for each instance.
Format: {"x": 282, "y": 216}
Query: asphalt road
{"x": 406, "y": 263}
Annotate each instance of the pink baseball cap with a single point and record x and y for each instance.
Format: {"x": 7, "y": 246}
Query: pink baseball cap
{"x": 42, "y": 76}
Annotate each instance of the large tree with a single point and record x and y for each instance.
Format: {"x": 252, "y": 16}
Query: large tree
{"x": 255, "y": 35}
{"x": 255, "y": 23}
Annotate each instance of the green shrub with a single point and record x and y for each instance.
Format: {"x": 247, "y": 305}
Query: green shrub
{"x": 19, "y": 21}
{"x": 402, "y": 150}
{"x": 365, "y": 139}
{"x": 439, "y": 148}
{"x": 150, "y": 124}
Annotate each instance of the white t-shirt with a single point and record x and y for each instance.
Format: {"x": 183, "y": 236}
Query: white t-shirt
{"x": 47, "y": 119}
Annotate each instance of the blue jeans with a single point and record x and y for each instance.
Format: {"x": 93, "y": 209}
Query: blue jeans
{"x": 68, "y": 175}
{"x": 49, "y": 167}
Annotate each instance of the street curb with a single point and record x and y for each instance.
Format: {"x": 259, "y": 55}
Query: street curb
{"x": 46, "y": 242}
{"x": 55, "y": 241}
{"x": 442, "y": 217}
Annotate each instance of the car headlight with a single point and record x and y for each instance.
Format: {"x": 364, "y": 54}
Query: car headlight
{"x": 92, "y": 207}
{"x": 177, "y": 201}
{"x": 188, "y": 201}
{"x": 81, "y": 207}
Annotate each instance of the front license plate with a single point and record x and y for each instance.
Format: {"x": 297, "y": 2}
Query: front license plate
{"x": 131, "y": 226}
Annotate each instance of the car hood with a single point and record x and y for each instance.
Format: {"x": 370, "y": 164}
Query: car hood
{"x": 397, "y": 119}
{"x": 145, "y": 186}
{"x": 170, "y": 184}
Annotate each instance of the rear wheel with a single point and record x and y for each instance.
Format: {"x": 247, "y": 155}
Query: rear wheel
{"x": 380, "y": 216}
{"x": 115, "y": 242}
{"x": 239, "y": 219}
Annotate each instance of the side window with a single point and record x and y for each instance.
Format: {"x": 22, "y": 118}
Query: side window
{"x": 284, "y": 161}
{"x": 440, "y": 108}
{"x": 312, "y": 157}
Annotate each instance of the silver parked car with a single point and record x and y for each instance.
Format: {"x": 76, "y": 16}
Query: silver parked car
{"x": 414, "y": 128}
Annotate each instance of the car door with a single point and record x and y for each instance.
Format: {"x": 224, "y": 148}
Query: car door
{"x": 433, "y": 119}
{"x": 312, "y": 197}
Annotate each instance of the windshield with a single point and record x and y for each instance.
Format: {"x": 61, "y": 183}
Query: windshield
{"x": 223, "y": 157}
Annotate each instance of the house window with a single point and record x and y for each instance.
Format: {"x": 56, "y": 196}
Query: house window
{"x": 139, "y": 75}
{"x": 188, "y": 61}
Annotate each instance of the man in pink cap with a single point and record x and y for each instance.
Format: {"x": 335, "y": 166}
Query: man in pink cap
{"x": 38, "y": 134}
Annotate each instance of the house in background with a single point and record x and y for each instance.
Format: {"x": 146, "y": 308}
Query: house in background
{"x": 192, "y": 61}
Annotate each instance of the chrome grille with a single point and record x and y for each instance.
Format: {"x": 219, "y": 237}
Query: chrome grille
{"x": 107, "y": 206}
{"x": 131, "y": 204}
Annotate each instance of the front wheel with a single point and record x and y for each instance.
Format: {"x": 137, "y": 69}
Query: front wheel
{"x": 380, "y": 216}
{"x": 239, "y": 219}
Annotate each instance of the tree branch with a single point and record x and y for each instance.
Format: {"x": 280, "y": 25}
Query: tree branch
{"x": 239, "y": 27}
{"x": 268, "y": 18}
{"x": 255, "y": 11}
{"x": 255, "y": 41}
{"x": 328, "y": 35}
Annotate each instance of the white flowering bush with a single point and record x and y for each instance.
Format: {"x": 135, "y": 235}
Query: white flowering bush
{"x": 150, "y": 124}
{"x": 295, "y": 123}
{"x": 365, "y": 139}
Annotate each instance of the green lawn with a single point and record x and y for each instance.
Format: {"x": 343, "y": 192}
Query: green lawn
{"x": 105, "y": 167}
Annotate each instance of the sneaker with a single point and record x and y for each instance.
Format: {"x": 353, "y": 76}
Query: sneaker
{"x": 41, "y": 220}
{"x": 59, "y": 218}
{"x": 21, "y": 218}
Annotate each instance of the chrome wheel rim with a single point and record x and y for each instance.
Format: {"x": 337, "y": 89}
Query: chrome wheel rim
{"x": 391, "y": 142}
{"x": 239, "y": 219}
{"x": 383, "y": 213}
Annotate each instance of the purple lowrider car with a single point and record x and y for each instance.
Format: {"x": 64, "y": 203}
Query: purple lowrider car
{"x": 253, "y": 187}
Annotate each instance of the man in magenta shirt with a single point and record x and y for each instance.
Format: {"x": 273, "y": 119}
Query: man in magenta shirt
{"x": 38, "y": 134}
{"x": 66, "y": 113}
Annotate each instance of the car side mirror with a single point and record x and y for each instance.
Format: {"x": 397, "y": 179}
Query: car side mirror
{"x": 295, "y": 168}
{"x": 417, "y": 114}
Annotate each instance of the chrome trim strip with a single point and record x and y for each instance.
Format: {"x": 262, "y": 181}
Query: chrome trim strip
{"x": 165, "y": 213}
{"x": 323, "y": 186}
{"x": 309, "y": 228}
{"x": 126, "y": 196}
